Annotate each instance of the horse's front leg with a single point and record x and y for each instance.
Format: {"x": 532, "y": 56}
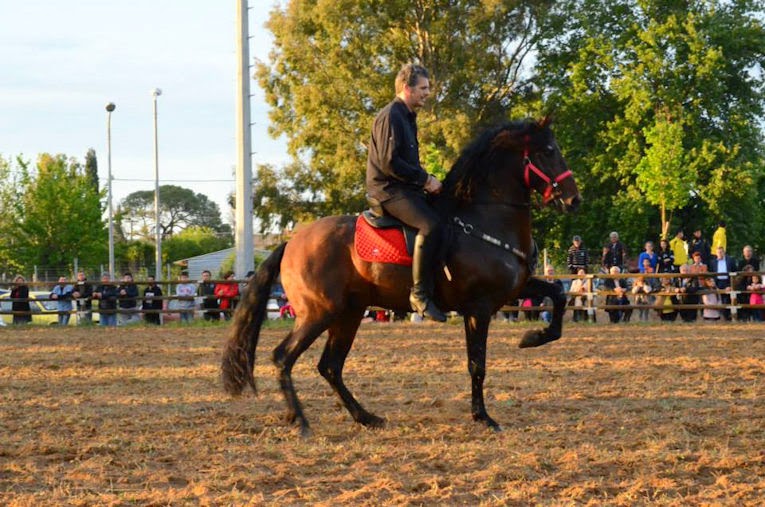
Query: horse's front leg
{"x": 476, "y": 331}
{"x": 534, "y": 288}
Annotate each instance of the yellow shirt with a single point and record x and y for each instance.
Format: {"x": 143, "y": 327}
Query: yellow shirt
{"x": 679, "y": 250}
{"x": 719, "y": 238}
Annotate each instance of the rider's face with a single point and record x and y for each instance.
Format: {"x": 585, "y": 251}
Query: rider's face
{"x": 416, "y": 95}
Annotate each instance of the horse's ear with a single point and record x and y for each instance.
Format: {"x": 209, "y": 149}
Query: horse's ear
{"x": 546, "y": 121}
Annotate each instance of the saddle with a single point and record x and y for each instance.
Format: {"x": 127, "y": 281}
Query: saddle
{"x": 382, "y": 238}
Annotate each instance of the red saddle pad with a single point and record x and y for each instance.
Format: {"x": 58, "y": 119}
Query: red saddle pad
{"x": 381, "y": 245}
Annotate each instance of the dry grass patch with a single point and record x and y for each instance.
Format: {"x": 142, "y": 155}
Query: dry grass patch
{"x": 669, "y": 415}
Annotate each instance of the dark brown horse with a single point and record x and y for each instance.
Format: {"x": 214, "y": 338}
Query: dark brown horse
{"x": 486, "y": 197}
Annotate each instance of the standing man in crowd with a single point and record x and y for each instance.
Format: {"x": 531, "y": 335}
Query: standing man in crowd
{"x": 152, "y": 302}
{"x": 723, "y": 265}
{"x": 128, "y": 300}
{"x": 577, "y": 256}
{"x": 720, "y": 237}
{"x": 83, "y": 292}
{"x": 614, "y": 253}
{"x": 648, "y": 254}
{"x": 62, "y": 294}
{"x": 749, "y": 259}
{"x": 679, "y": 249}
{"x": 701, "y": 245}
{"x": 206, "y": 291}
{"x": 185, "y": 292}
{"x": 106, "y": 294}
{"x": 396, "y": 180}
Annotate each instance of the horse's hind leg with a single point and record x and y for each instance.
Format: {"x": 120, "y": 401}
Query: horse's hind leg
{"x": 537, "y": 337}
{"x": 341, "y": 335}
{"x": 284, "y": 357}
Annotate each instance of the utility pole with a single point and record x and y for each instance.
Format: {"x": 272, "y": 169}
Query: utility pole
{"x": 244, "y": 247}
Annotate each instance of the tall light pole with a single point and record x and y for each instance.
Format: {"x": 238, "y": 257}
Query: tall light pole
{"x": 156, "y": 92}
{"x": 244, "y": 247}
{"x": 109, "y": 108}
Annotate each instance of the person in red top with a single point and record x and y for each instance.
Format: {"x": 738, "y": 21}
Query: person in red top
{"x": 226, "y": 292}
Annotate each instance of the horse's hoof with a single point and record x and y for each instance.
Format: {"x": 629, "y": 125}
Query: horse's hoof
{"x": 372, "y": 421}
{"x": 305, "y": 432}
{"x": 535, "y": 338}
{"x": 488, "y": 422}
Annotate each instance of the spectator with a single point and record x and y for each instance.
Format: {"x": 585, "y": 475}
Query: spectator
{"x": 152, "y": 302}
{"x": 665, "y": 258}
{"x": 667, "y": 301}
{"x": 643, "y": 296}
{"x": 649, "y": 254}
{"x": 679, "y": 249}
{"x": 614, "y": 253}
{"x": 710, "y": 298}
{"x": 723, "y": 265}
{"x": 579, "y": 288}
{"x": 83, "y": 293}
{"x": 719, "y": 238}
{"x": 700, "y": 244}
{"x": 227, "y": 293}
{"x": 687, "y": 291}
{"x": 127, "y": 301}
{"x": 755, "y": 288}
{"x": 207, "y": 292}
{"x": 741, "y": 284}
{"x": 106, "y": 293}
{"x": 185, "y": 292}
{"x": 62, "y": 294}
{"x": 698, "y": 266}
{"x": 546, "y": 301}
{"x": 577, "y": 256}
{"x": 617, "y": 296}
{"x": 22, "y": 313}
{"x": 749, "y": 259}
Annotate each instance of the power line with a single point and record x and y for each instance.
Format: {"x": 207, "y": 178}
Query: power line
{"x": 175, "y": 181}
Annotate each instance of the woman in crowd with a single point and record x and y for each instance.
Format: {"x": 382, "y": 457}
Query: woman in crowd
{"x": 20, "y": 305}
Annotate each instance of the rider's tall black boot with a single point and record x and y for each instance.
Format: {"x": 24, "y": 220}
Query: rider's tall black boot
{"x": 421, "y": 297}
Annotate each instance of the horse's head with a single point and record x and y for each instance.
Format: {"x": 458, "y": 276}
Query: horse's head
{"x": 544, "y": 168}
{"x": 489, "y": 167}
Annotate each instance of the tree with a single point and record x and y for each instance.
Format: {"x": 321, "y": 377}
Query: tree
{"x": 194, "y": 241}
{"x": 179, "y": 208}
{"x": 57, "y": 214}
{"x": 91, "y": 167}
{"x": 333, "y": 67}
{"x": 625, "y": 72}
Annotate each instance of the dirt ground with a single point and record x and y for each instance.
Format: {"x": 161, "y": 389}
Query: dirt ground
{"x": 616, "y": 415}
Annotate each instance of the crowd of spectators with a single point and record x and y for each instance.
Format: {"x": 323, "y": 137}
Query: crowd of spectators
{"x": 121, "y": 303}
{"x": 705, "y": 278}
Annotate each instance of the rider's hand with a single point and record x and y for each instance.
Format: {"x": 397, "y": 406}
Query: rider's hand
{"x": 433, "y": 185}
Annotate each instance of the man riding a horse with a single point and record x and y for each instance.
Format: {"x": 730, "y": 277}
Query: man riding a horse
{"x": 397, "y": 182}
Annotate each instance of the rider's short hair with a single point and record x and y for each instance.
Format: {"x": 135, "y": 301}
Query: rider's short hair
{"x": 409, "y": 74}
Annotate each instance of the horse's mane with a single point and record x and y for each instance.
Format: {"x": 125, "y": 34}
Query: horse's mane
{"x": 474, "y": 165}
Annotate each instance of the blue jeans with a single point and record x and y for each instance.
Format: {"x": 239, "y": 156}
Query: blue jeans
{"x": 108, "y": 319}
{"x": 63, "y": 318}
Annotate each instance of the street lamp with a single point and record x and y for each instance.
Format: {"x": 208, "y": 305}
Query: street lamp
{"x": 109, "y": 108}
{"x": 156, "y": 92}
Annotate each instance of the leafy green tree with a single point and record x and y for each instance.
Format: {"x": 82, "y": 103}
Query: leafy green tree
{"x": 91, "y": 167}
{"x": 180, "y": 208}
{"x": 333, "y": 67}
{"x": 194, "y": 241}
{"x": 624, "y": 73}
{"x": 57, "y": 214}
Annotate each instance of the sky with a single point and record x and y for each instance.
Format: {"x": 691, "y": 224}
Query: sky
{"x": 61, "y": 62}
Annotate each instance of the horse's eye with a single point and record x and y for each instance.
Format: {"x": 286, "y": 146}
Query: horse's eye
{"x": 549, "y": 149}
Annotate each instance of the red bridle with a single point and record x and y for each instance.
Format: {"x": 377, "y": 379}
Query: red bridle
{"x": 552, "y": 185}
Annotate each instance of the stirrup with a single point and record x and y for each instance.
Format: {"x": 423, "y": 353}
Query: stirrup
{"x": 426, "y": 309}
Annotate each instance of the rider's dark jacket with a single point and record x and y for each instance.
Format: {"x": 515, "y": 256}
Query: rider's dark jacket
{"x": 393, "y": 163}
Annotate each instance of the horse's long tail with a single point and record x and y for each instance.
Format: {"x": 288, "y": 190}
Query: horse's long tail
{"x": 239, "y": 353}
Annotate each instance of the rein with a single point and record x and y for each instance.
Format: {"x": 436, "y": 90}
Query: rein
{"x": 552, "y": 185}
{"x": 471, "y": 230}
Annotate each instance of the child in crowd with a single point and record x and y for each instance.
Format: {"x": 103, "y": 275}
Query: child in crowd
{"x": 186, "y": 292}
{"x": 755, "y": 298}
{"x": 710, "y": 298}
